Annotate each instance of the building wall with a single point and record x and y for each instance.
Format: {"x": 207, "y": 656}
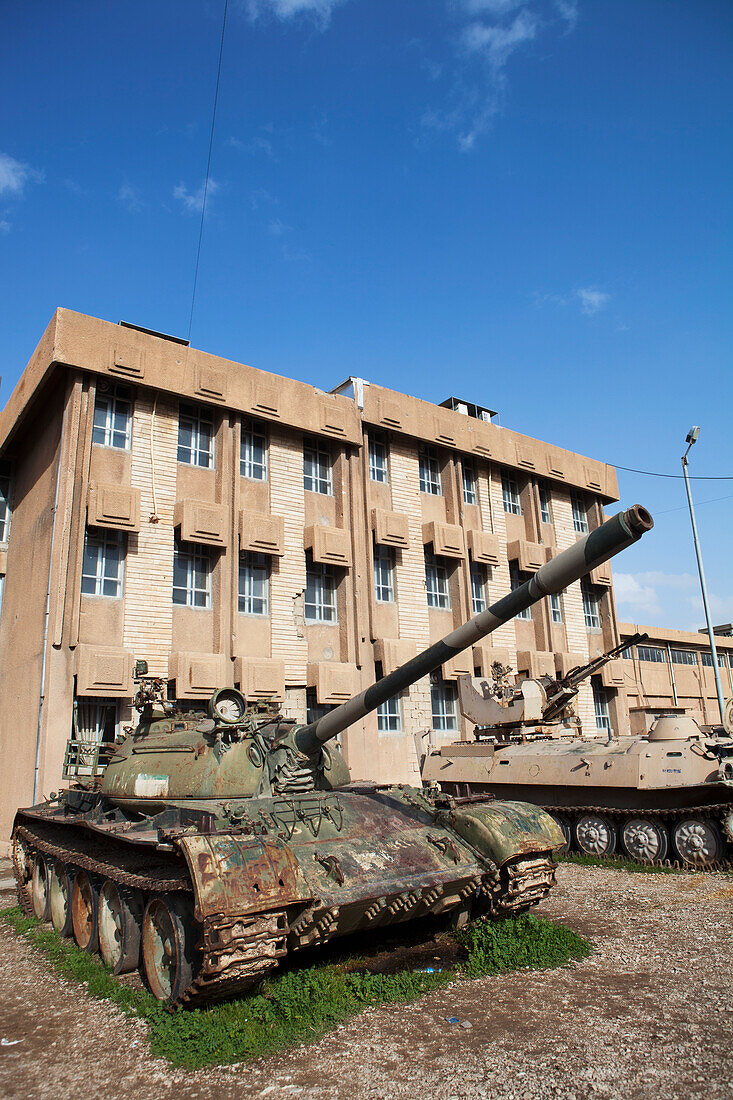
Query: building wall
{"x": 654, "y": 686}
{"x": 150, "y": 497}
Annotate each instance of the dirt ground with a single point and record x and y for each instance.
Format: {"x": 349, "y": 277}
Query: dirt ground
{"x": 649, "y": 1014}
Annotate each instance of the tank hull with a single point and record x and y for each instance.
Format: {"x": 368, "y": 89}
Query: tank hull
{"x": 298, "y": 871}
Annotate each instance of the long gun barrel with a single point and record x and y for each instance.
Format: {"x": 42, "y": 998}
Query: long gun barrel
{"x": 576, "y": 675}
{"x": 613, "y": 536}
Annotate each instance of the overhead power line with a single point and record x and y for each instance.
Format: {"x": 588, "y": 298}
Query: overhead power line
{"x": 677, "y": 477}
{"x": 208, "y": 170}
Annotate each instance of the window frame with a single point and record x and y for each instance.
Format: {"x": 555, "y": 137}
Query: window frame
{"x": 320, "y": 458}
{"x": 383, "y": 558}
{"x": 247, "y": 462}
{"x": 6, "y": 499}
{"x": 600, "y": 707}
{"x": 684, "y": 657}
{"x": 469, "y": 481}
{"x": 195, "y": 557}
{"x": 591, "y": 606}
{"x": 322, "y": 581}
{"x": 106, "y": 539}
{"x": 516, "y": 581}
{"x": 653, "y": 654}
{"x": 436, "y": 571}
{"x": 556, "y": 609}
{"x": 510, "y": 496}
{"x": 116, "y": 395}
{"x": 479, "y": 579}
{"x": 378, "y": 464}
{"x": 251, "y": 563}
{"x": 200, "y": 417}
{"x": 431, "y": 481}
{"x": 545, "y": 497}
{"x": 579, "y": 508}
{"x": 444, "y": 716}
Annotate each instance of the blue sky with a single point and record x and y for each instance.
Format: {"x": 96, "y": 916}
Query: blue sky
{"x": 524, "y": 202}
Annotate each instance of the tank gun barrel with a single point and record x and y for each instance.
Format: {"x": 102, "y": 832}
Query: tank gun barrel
{"x": 595, "y": 548}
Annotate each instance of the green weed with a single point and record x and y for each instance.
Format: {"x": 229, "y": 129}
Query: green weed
{"x": 617, "y": 863}
{"x": 300, "y": 1005}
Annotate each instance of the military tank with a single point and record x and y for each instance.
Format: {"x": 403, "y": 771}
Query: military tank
{"x": 666, "y": 797}
{"x": 211, "y": 845}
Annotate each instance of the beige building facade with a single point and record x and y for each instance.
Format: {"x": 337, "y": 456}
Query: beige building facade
{"x": 234, "y": 527}
{"x": 673, "y": 672}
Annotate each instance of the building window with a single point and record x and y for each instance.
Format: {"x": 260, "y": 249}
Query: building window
{"x": 101, "y": 571}
{"x": 191, "y": 575}
{"x": 556, "y": 608}
{"x": 685, "y": 657}
{"x": 707, "y": 660}
{"x": 580, "y": 513}
{"x": 6, "y": 487}
{"x": 510, "y": 495}
{"x": 254, "y": 584}
{"x": 253, "y": 453}
{"x": 389, "y": 713}
{"x": 315, "y": 710}
{"x": 516, "y": 580}
{"x": 317, "y": 468}
{"x": 651, "y": 653}
{"x": 430, "y": 472}
{"x": 470, "y": 496}
{"x": 591, "y": 610}
{"x": 320, "y": 593}
{"x": 112, "y": 416}
{"x": 436, "y": 583}
{"x": 377, "y": 460}
{"x": 478, "y": 587}
{"x": 384, "y": 574}
{"x": 443, "y": 700}
{"x": 545, "y": 504}
{"x": 600, "y": 705}
{"x": 195, "y": 436}
{"x": 95, "y": 720}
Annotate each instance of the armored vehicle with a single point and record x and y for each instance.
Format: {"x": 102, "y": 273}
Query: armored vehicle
{"x": 211, "y": 846}
{"x": 665, "y": 797}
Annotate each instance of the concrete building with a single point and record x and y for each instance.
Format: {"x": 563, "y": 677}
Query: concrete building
{"x": 673, "y": 672}
{"x": 235, "y": 527}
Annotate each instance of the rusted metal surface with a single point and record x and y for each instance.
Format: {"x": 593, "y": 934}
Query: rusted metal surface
{"x": 235, "y": 875}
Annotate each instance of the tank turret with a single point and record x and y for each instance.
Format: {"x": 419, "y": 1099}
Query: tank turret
{"x": 212, "y": 844}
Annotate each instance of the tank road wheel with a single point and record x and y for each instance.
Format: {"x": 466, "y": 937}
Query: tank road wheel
{"x": 168, "y": 946}
{"x": 645, "y": 841}
{"x": 40, "y": 887}
{"x": 698, "y": 842}
{"x": 564, "y": 825}
{"x": 594, "y": 835}
{"x": 120, "y": 923}
{"x": 85, "y": 911}
{"x": 59, "y": 888}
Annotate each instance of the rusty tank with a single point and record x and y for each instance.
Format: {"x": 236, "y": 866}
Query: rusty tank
{"x": 208, "y": 846}
{"x": 666, "y": 797}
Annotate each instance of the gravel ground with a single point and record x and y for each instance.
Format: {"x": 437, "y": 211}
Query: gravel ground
{"x": 649, "y": 1014}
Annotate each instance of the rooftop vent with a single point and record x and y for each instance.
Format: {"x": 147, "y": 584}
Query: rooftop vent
{"x": 478, "y": 412}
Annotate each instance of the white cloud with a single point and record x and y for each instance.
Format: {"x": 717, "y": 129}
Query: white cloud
{"x": 667, "y": 599}
{"x": 498, "y": 43}
{"x": 193, "y": 201}
{"x": 15, "y": 174}
{"x": 130, "y": 198}
{"x": 4, "y": 225}
{"x": 568, "y": 10}
{"x": 493, "y": 7}
{"x": 592, "y": 300}
{"x": 320, "y": 10}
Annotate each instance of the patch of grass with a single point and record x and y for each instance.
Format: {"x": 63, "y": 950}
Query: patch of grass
{"x": 300, "y": 1005}
{"x": 618, "y": 863}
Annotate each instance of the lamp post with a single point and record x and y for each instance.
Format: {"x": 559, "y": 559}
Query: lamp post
{"x": 692, "y": 438}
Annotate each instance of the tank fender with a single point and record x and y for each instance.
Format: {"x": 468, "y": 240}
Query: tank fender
{"x": 235, "y": 875}
{"x": 505, "y": 830}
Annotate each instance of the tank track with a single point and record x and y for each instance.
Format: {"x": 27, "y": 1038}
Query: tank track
{"x": 718, "y": 812}
{"x": 235, "y": 953}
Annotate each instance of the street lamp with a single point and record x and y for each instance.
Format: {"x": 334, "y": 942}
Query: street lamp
{"x": 692, "y": 438}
